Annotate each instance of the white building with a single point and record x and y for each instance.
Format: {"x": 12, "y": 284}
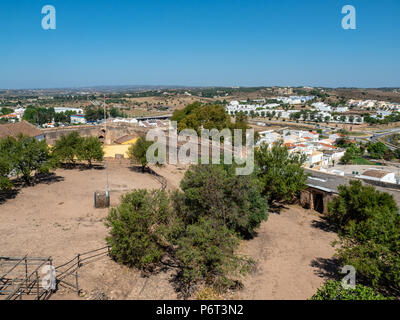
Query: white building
{"x": 78, "y": 119}
{"x": 320, "y": 106}
{"x": 64, "y": 109}
{"x": 378, "y": 175}
{"x": 341, "y": 109}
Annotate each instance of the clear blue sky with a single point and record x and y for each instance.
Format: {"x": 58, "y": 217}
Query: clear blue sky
{"x": 199, "y": 42}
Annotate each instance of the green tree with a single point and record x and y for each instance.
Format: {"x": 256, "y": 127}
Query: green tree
{"x": 137, "y": 152}
{"x": 197, "y": 117}
{"x": 67, "y": 148}
{"x": 30, "y": 155}
{"x": 281, "y": 174}
{"x": 6, "y": 162}
{"x": 377, "y": 150}
{"x": 351, "y": 155}
{"x": 333, "y": 290}
{"x": 90, "y": 149}
{"x": 5, "y": 111}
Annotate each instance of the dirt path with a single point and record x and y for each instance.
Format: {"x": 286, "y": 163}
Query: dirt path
{"x": 286, "y": 247}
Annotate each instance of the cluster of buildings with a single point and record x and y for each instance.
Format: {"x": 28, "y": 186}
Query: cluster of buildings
{"x": 259, "y": 109}
{"x": 380, "y": 105}
{"x": 319, "y": 152}
{"x": 15, "y": 116}
{"x": 293, "y": 100}
{"x": 319, "y": 110}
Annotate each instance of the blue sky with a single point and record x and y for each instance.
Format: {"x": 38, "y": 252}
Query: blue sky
{"x": 199, "y": 43}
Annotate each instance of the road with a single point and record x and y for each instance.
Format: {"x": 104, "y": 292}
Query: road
{"x": 377, "y": 136}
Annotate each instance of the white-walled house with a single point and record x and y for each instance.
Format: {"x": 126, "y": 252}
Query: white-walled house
{"x": 378, "y": 175}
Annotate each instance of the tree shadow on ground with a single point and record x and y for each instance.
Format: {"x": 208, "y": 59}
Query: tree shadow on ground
{"x": 81, "y": 166}
{"x": 19, "y": 184}
{"x": 277, "y": 207}
{"x": 139, "y": 169}
{"x": 323, "y": 225}
{"x": 8, "y": 195}
{"x": 327, "y": 268}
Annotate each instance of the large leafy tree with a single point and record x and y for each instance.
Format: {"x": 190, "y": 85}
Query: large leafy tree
{"x": 138, "y": 152}
{"x": 198, "y": 116}
{"x": 377, "y": 150}
{"x": 30, "y": 155}
{"x": 90, "y": 149}
{"x": 281, "y": 174}
{"x": 67, "y": 147}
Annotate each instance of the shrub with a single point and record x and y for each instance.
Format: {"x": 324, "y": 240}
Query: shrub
{"x": 140, "y": 228}
{"x": 207, "y": 253}
{"x": 215, "y": 191}
{"x": 369, "y": 234}
{"x": 333, "y": 290}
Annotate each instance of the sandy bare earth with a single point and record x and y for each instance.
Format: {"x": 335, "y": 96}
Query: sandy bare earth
{"x": 291, "y": 250}
{"x": 58, "y": 219}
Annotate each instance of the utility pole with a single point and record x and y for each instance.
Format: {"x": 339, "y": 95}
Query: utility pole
{"x": 105, "y": 115}
{"x": 105, "y": 136}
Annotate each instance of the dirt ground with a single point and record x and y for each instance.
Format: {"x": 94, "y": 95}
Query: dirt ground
{"x": 57, "y": 218}
{"x": 292, "y": 250}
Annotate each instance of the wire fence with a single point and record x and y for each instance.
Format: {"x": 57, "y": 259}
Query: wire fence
{"x": 37, "y": 278}
{"x": 67, "y": 273}
{"x": 24, "y": 276}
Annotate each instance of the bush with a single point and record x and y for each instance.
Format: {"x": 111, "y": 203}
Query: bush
{"x": 369, "y": 234}
{"x": 333, "y": 290}
{"x": 196, "y": 229}
{"x": 207, "y": 253}
{"x": 358, "y": 203}
{"x": 140, "y": 228}
{"x": 215, "y": 191}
